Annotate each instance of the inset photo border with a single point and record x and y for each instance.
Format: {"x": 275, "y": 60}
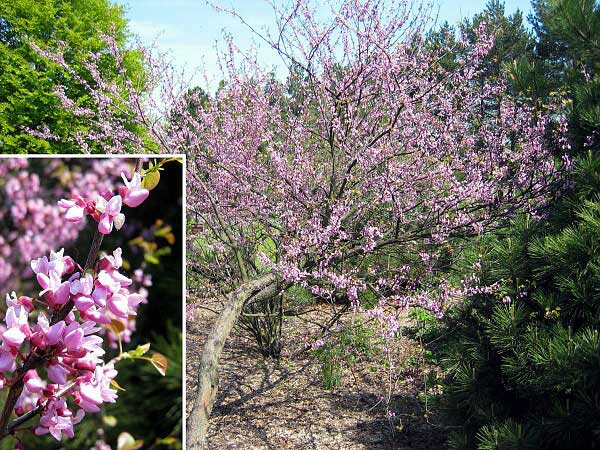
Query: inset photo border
{"x": 92, "y": 258}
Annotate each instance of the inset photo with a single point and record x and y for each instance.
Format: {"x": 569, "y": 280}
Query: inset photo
{"x": 91, "y": 269}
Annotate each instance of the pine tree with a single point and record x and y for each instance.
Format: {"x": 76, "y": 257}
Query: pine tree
{"x": 523, "y": 365}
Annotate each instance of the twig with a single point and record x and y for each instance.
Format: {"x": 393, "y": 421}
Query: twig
{"x": 29, "y": 414}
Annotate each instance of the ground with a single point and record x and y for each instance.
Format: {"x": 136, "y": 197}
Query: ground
{"x": 267, "y": 404}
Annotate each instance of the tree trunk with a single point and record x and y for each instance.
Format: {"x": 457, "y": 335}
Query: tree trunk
{"x": 208, "y": 368}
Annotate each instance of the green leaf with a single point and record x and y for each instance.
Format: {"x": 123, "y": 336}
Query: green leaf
{"x": 140, "y": 351}
{"x": 151, "y": 180}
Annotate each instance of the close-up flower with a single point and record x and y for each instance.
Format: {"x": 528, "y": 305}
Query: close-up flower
{"x": 74, "y": 320}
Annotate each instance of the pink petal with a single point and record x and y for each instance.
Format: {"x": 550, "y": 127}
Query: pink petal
{"x": 90, "y": 393}
{"x": 119, "y": 305}
{"x": 66, "y": 204}
{"x": 135, "y": 299}
{"x": 83, "y": 302}
{"x": 7, "y": 361}
{"x": 13, "y": 337}
{"x": 136, "y": 198}
{"x": 34, "y": 385}
{"x": 88, "y": 406}
{"x": 61, "y": 295}
{"x": 98, "y": 316}
{"x": 105, "y": 225}
{"x": 56, "y": 433}
{"x": 99, "y": 295}
{"x": 57, "y": 374}
{"x": 114, "y": 205}
{"x": 40, "y": 265}
{"x": 55, "y": 332}
{"x": 74, "y": 214}
{"x": 43, "y": 280}
{"x": 74, "y": 339}
{"x": 122, "y": 279}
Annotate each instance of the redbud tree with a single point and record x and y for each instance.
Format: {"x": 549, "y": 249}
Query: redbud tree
{"x": 359, "y": 176}
{"x": 53, "y": 344}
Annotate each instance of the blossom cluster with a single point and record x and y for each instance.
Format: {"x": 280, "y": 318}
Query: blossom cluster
{"x": 61, "y": 330}
{"x": 106, "y": 209}
{"x": 71, "y": 347}
{"x": 141, "y": 281}
{"x": 31, "y": 225}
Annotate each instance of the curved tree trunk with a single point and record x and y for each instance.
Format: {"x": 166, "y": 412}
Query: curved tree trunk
{"x": 208, "y": 368}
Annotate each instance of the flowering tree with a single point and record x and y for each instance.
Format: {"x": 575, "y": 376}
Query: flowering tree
{"x": 357, "y": 177}
{"x": 60, "y": 331}
{"x": 361, "y": 174}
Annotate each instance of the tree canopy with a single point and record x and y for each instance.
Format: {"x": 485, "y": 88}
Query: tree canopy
{"x": 28, "y": 82}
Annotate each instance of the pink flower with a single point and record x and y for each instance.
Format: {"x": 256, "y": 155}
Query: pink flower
{"x": 55, "y": 292}
{"x": 118, "y": 305}
{"x": 7, "y": 359}
{"x": 132, "y": 193}
{"x": 17, "y": 325}
{"x": 58, "y": 263}
{"x": 57, "y": 373}
{"x": 57, "y": 419}
{"x": 45, "y": 335}
{"x": 13, "y": 337}
{"x": 74, "y": 211}
{"x": 33, "y": 382}
{"x": 81, "y": 290}
{"x": 114, "y": 261}
{"x": 73, "y": 337}
{"x": 96, "y": 389}
{"x": 111, "y": 214}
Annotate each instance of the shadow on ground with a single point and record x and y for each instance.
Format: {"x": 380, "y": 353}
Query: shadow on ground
{"x": 264, "y": 404}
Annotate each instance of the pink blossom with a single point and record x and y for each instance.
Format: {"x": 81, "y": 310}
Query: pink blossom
{"x": 110, "y": 214}
{"x": 132, "y": 193}
{"x": 57, "y": 419}
{"x": 96, "y": 388}
{"x": 74, "y": 212}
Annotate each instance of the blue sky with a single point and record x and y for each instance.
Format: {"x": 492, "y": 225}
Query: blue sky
{"x": 189, "y": 29}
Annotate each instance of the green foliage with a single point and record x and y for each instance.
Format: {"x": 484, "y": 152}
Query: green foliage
{"x": 354, "y": 343}
{"x": 513, "y": 40}
{"x": 136, "y": 411}
{"x": 568, "y": 50}
{"x": 426, "y": 324}
{"x": 524, "y": 373}
{"x": 27, "y": 81}
{"x": 507, "y": 435}
{"x": 299, "y": 296}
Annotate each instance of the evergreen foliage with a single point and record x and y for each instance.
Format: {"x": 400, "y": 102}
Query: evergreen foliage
{"x": 523, "y": 365}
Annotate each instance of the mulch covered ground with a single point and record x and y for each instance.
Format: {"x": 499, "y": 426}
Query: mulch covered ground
{"x": 265, "y": 404}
